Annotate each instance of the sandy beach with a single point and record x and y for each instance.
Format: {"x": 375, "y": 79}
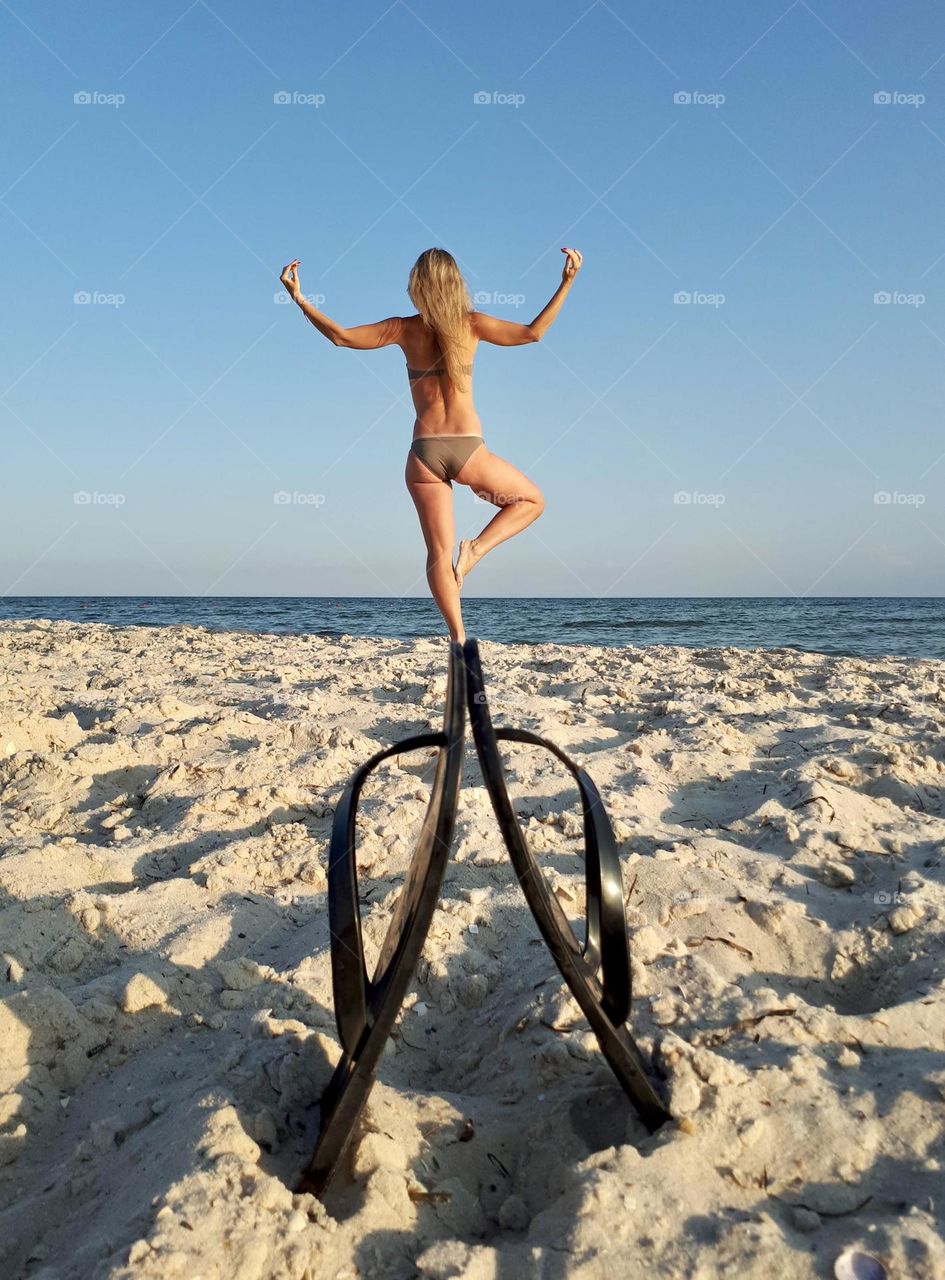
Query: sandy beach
{"x": 166, "y": 1021}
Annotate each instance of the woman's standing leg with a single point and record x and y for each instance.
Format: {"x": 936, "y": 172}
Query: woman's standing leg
{"x": 520, "y": 503}
{"x": 433, "y": 499}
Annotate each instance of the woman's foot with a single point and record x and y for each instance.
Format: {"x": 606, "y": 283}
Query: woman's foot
{"x": 465, "y": 560}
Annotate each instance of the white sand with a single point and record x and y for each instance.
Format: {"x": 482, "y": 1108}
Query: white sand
{"x": 166, "y": 1022}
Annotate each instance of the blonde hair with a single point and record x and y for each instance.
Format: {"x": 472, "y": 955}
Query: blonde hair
{"x": 438, "y": 291}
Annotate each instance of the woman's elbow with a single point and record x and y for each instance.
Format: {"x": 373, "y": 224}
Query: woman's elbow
{"x": 533, "y": 334}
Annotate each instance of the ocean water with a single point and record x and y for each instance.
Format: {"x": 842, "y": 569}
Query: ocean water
{"x": 907, "y": 627}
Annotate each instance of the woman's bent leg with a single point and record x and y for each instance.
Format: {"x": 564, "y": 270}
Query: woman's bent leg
{"x": 433, "y": 499}
{"x": 497, "y": 481}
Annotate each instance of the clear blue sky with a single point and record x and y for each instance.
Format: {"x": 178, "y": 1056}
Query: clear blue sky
{"x": 184, "y": 396}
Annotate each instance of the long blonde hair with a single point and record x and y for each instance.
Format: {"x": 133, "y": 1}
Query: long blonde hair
{"x": 438, "y": 291}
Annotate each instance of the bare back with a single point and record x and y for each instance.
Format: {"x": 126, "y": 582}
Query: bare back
{"x": 441, "y": 408}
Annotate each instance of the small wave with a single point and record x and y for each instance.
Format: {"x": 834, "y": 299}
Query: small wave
{"x": 632, "y": 624}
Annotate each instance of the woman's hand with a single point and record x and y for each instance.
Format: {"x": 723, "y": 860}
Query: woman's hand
{"x": 290, "y": 278}
{"x": 572, "y": 264}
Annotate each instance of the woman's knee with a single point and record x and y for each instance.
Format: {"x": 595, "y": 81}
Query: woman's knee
{"x": 438, "y": 554}
{"x": 538, "y": 502}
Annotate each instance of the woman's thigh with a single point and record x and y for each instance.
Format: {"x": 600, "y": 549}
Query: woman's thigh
{"x": 496, "y": 480}
{"x": 433, "y": 499}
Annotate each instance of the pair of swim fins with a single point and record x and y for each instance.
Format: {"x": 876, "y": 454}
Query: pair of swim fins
{"x": 596, "y": 970}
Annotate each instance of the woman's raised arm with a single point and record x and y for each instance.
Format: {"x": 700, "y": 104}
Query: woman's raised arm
{"x": 362, "y": 337}
{"x": 501, "y": 333}
{"x": 506, "y": 333}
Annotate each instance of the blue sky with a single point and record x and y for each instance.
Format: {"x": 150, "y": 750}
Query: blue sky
{"x": 733, "y": 154}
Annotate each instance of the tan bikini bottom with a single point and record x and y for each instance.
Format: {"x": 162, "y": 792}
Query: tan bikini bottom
{"x": 445, "y": 455}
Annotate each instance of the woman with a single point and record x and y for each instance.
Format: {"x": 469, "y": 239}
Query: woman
{"x": 440, "y": 343}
